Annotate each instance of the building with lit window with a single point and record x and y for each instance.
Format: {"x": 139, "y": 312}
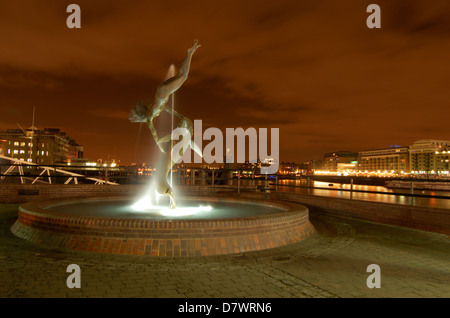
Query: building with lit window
{"x": 47, "y": 147}
{"x": 292, "y": 168}
{"x": 429, "y": 156}
{"x": 3, "y": 143}
{"x": 389, "y": 160}
{"x": 333, "y": 161}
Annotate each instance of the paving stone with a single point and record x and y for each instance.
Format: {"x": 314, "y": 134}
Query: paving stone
{"x": 331, "y": 263}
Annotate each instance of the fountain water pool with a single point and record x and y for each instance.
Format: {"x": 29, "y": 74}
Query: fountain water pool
{"x": 126, "y": 208}
{"x": 208, "y": 226}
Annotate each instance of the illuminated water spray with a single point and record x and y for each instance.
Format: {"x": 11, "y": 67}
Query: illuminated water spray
{"x": 171, "y": 73}
{"x": 152, "y": 202}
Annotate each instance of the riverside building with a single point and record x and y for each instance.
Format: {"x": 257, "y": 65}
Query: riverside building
{"x": 389, "y": 160}
{"x": 430, "y": 156}
{"x": 45, "y": 147}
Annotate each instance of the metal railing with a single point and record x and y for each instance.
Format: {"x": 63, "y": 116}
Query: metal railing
{"x": 218, "y": 179}
{"x": 31, "y": 173}
{"x": 232, "y": 179}
{"x": 269, "y": 183}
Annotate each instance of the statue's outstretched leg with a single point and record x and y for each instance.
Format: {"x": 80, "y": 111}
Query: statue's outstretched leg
{"x": 169, "y": 86}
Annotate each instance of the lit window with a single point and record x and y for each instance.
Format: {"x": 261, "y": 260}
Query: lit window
{"x": 22, "y": 151}
{"x": 29, "y": 160}
{"x": 42, "y": 152}
{"x": 16, "y": 143}
{"x": 22, "y": 144}
{"x": 16, "y": 152}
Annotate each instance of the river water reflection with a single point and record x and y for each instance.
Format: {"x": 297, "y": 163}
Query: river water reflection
{"x": 331, "y": 190}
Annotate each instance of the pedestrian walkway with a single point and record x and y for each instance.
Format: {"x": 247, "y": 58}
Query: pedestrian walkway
{"x": 331, "y": 263}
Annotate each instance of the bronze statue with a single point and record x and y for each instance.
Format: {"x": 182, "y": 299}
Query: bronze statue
{"x": 147, "y": 113}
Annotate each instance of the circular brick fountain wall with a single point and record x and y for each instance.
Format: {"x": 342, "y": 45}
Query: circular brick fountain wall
{"x": 168, "y": 237}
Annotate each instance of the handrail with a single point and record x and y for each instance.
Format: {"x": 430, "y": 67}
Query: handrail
{"x": 192, "y": 176}
{"x": 19, "y": 164}
{"x": 369, "y": 191}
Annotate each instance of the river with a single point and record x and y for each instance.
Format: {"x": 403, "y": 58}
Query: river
{"x": 332, "y": 190}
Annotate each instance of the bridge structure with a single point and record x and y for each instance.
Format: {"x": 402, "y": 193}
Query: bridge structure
{"x": 43, "y": 174}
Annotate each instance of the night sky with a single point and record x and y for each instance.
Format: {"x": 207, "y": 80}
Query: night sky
{"x": 311, "y": 68}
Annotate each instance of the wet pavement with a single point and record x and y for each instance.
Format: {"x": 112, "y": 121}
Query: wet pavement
{"x": 331, "y": 263}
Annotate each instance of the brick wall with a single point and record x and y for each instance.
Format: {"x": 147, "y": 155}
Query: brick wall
{"x": 167, "y": 237}
{"x": 15, "y": 193}
{"x": 422, "y": 218}
{"x": 416, "y": 217}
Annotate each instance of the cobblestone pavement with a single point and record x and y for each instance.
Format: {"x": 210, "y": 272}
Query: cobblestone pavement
{"x": 331, "y": 263}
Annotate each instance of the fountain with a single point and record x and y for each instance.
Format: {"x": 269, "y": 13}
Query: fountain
{"x": 157, "y": 224}
{"x": 148, "y": 113}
